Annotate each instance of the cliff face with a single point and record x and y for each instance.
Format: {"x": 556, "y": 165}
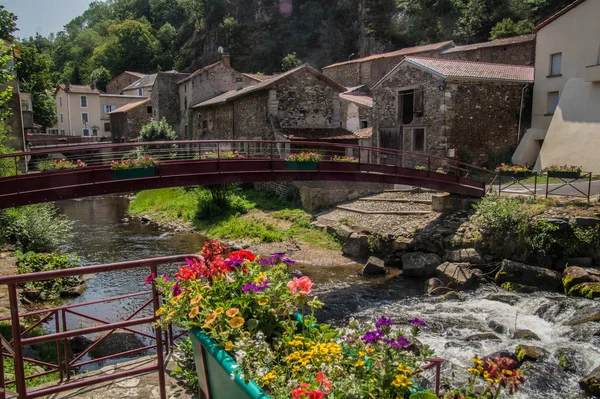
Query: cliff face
{"x": 375, "y": 18}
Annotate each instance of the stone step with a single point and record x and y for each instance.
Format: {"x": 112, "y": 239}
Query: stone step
{"x": 365, "y": 212}
{"x": 407, "y": 201}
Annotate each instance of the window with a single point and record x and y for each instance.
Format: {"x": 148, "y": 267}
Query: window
{"x": 552, "y": 102}
{"x": 419, "y": 140}
{"x": 95, "y": 132}
{"x": 204, "y": 124}
{"x": 84, "y": 117}
{"x": 149, "y": 109}
{"x": 62, "y": 118}
{"x": 83, "y": 101}
{"x": 86, "y": 132}
{"x": 109, "y": 108}
{"x": 60, "y": 101}
{"x": 140, "y": 92}
{"x": 185, "y": 103}
{"x": 390, "y": 137}
{"x": 52, "y": 131}
{"x": 364, "y": 124}
{"x": 556, "y": 64}
{"x": 107, "y": 127}
{"x": 62, "y": 132}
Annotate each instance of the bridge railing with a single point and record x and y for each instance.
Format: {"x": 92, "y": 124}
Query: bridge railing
{"x": 101, "y": 155}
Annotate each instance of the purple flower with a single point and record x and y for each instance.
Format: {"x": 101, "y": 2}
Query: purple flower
{"x": 417, "y": 322}
{"x": 166, "y": 277}
{"x": 402, "y": 341}
{"x": 256, "y": 287}
{"x": 276, "y": 259}
{"x": 176, "y": 290}
{"x": 288, "y": 261}
{"x": 398, "y": 343}
{"x": 384, "y": 322}
{"x": 373, "y": 336}
{"x": 234, "y": 262}
{"x": 150, "y": 279}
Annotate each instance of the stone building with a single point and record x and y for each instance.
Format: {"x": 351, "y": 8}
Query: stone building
{"x": 356, "y": 106}
{"x": 141, "y": 87}
{"x": 301, "y": 104}
{"x": 127, "y": 121}
{"x": 121, "y": 81}
{"x": 165, "y": 99}
{"x": 446, "y": 107}
{"x": 517, "y": 50}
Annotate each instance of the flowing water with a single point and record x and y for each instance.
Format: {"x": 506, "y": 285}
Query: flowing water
{"x": 103, "y": 235}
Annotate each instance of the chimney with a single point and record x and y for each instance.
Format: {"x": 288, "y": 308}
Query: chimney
{"x": 239, "y": 83}
{"x": 226, "y": 59}
{"x": 68, "y": 87}
{"x": 93, "y": 84}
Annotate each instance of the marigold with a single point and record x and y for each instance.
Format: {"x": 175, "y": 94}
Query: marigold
{"x": 269, "y": 376}
{"x": 236, "y": 322}
{"x": 228, "y": 345}
{"x": 403, "y": 369}
{"x": 263, "y": 301}
{"x": 360, "y": 363}
{"x": 232, "y": 312}
{"x": 401, "y": 381}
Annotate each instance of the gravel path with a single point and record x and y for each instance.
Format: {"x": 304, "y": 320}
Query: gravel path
{"x": 404, "y": 195}
{"x": 385, "y": 206}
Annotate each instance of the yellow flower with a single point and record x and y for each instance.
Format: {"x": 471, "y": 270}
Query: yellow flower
{"x": 246, "y": 334}
{"x": 269, "y": 376}
{"x": 401, "y": 381}
{"x": 172, "y": 313}
{"x": 404, "y": 369}
{"x": 196, "y": 299}
{"x": 360, "y": 363}
{"x": 370, "y": 350}
{"x": 232, "y": 312}
{"x": 263, "y": 301}
{"x": 361, "y": 354}
{"x": 194, "y": 312}
{"x": 160, "y": 311}
{"x": 228, "y": 345}
{"x": 206, "y": 287}
{"x": 210, "y": 318}
{"x": 236, "y": 322}
{"x": 219, "y": 310}
{"x": 176, "y": 299}
{"x": 224, "y": 333}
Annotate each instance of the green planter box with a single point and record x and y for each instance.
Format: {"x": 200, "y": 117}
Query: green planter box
{"x": 293, "y": 165}
{"x": 135, "y": 173}
{"x": 215, "y": 368}
{"x": 517, "y": 175}
{"x": 565, "y": 175}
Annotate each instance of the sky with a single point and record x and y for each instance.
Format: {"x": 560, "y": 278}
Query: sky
{"x": 44, "y": 16}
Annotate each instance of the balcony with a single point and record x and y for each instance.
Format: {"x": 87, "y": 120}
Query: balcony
{"x": 592, "y": 73}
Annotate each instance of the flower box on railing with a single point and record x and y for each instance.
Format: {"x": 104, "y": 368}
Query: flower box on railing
{"x": 564, "y": 175}
{"x": 134, "y": 173}
{"x": 296, "y": 165}
{"x": 516, "y": 175}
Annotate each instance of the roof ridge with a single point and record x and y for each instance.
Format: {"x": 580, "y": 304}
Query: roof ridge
{"x": 557, "y": 15}
{"x": 469, "y": 62}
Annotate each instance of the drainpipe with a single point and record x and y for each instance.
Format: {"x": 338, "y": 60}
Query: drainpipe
{"x": 521, "y": 114}
{"x": 69, "y": 111}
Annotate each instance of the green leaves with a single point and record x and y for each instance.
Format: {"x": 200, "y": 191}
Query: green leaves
{"x": 423, "y": 395}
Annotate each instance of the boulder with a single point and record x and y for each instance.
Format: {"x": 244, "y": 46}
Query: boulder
{"x": 469, "y": 255}
{"x": 582, "y": 221}
{"x": 591, "y": 383}
{"x": 452, "y": 296}
{"x": 432, "y": 284}
{"x": 401, "y": 244}
{"x": 374, "y": 267}
{"x": 569, "y": 360}
{"x": 483, "y": 337}
{"x": 560, "y": 223}
{"x": 504, "y": 298}
{"x": 533, "y": 276}
{"x": 357, "y": 246}
{"x": 589, "y": 318}
{"x": 498, "y": 328}
{"x": 526, "y": 334}
{"x": 518, "y": 288}
{"x": 419, "y": 264}
{"x": 457, "y": 275}
{"x": 296, "y": 273}
{"x": 145, "y": 219}
{"x": 441, "y": 291}
{"x": 74, "y": 292}
{"x": 115, "y": 343}
{"x": 340, "y": 230}
{"x": 529, "y": 353}
{"x": 574, "y": 275}
{"x": 586, "y": 290}
{"x": 79, "y": 343}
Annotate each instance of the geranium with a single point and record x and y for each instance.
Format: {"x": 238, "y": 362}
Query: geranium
{"x": 221, "y": 154}
{"x": 344, "y": 158}
{"x": 141, "y": 162}
{"x": 304, "y": 157}
{"x": 302, "y": 284}
{"x": 562, "y": 168}
{"x": 503, "y": 167}
{"x": 61, "y": 164}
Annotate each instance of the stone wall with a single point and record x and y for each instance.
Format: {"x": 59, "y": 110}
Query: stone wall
{"x": 117, "y": 85}
{"x": 126, "y": 126}
{"x": 515, "y": 54}
{"x": 165, "y": 99}
{"x": 346, "y": 75}
{"x": 14, "y": 121}
{"x": 251, "y": 117}
{"x": 352, "y": 114}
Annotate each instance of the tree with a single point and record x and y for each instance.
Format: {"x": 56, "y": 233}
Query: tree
{"x": 131, "y": 46}
{"x": 6, "y": 164}
{"x": 101, "y": 76}
{"x": 290, "y": 61}
{"x": 158, "y": 131}
{"x": 8, "y": 24}
{"x": 507, "y": 28}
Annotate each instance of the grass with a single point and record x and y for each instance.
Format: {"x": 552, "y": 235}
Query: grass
{"x": 167, "y": 204}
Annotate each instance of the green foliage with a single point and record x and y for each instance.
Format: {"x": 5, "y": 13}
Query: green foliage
{"x": 8, "y": 24}
{"x": 219, "y": 199}
{"x": 101, "y": 76}
{"x": 6, "y": 75}
{"x": 290, "y": 61}
{"x": 158, "y": 131}
{"x": 31, "y": 262}
{"x": 38, "y": 228}
{"x": 186, "y": 368}
{"x": 507, "y": 28}
{"x": 248, "y": 229}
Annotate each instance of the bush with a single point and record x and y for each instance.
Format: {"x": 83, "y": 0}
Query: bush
{"x": 32, "y": 262}
{"x": 38, "y": 228}
{"x": 158, "y": 131}
{"x": 218, "y": 199}
{"x": 186, "y": 368}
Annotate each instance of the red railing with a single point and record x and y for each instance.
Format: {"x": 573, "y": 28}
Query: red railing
{"x": 208, "y": 162}
{"x": 48, "y": 140}
{"x": 57, "y": 316}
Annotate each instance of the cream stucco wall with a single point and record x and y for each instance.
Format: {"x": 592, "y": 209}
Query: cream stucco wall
{"x": 72, "y": 112}
{"x": 575, "y": 34}
{"x": 574, "y": 135}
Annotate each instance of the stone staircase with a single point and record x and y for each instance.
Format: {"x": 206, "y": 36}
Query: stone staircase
{"x": 391, "y": 202}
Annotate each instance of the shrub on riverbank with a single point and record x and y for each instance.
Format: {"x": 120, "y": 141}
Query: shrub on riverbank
{"x": 38, "y": 228}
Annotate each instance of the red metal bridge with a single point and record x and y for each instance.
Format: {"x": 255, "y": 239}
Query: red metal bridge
{"x": 192, "y": 163}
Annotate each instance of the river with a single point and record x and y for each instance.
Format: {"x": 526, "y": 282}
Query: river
{"x": 103, "y": 234}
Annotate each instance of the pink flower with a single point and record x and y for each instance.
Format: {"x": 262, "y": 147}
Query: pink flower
{"x": 150, "y": 279}
{"x": 303, "y": 284}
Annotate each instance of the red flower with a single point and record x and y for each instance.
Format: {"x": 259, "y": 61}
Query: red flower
{"x": 185, "y": 273}
{"x": 316, "y": 394}
{"x": 243, "y": 254}
{"x": 324, "y": 382}
{"x": 300, "y": 391}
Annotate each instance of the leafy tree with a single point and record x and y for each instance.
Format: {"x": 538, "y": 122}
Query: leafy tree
{"x": 290, "y": 61}
{"x": 101, "y": 76}
{"x": 130, "y": 47}
{"x": 8, "y": 24}
{"x": 158, "y": 131}
{"x": 507, "y": 28}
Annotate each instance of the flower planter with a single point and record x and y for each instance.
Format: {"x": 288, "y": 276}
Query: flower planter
{"x": 215, "y": 368}
{"x": 134, "y": 173}
{"x": 519, "y": 175}
{"x": 294, "y": 165}
{"x": 565, "y": 175}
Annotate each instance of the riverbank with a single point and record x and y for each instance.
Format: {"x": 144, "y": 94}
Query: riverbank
{"x": 8, "y": 266}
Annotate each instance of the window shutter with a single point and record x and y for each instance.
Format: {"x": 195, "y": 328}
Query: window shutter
{"x": 418, "y": 102}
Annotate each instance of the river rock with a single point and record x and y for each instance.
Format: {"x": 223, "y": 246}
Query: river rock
{"x": 357, "y": 246}
{"x": 569, "y": 360}
{"x": 296, "y": 273}
{"x": 440, "y": 291}
{"x": 80, "y": 343}
{"x": 511, "y": 300}
{"x": 115, "y": 343}
{"x": 587, "y": 221}
{"x": 340, "y": 230}
{"x": 586, "y": 290}
{"x": 457, "y": 275}
{"x": 533, "y": 276}
{"x": 432, "y": 284}
{"x": 451, "y": 296}
{"x": 526, "y": 334}
{"x": 74, "y": 292}
{"x": 529, "y": 353}
{"x": 374, "y": 267}
{"x": 498, "y": 328}
{"x": 519, "y": 288}
{"x": 468, "y": 255}
{"x": 574, "y": 275}
{"x": 589, "y": 318}
{"x": 401, "y": 244}
{"x": 483, "y": 337}
{"x": 591, "y": 383}
{"x": 419, "y": 264}
{"x": 145, "y": 219}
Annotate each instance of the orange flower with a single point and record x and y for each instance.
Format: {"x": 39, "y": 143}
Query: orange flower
{"x": 236, "y": 322}
{"x": 196, "y": 299}
{"x": 194, "y": 312}
{"x": 228, "y": 345}
{"x": 210, "y": 318}
{"x": 232, "y": 312}
{"x": 219, "y": 310}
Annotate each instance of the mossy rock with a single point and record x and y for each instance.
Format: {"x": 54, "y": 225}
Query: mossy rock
{"x": 526, "y": 334}
{"x": 569, "y": 360}
{"x": 452, "y": 296}
{"x": 586, "y": 290}
{"x": 585, "y": 319}
{"x": 519, "y": 288}
{"x": 574, "y": 275}
{"x": 591, "y": 383}
{"x": 529, "y": 353}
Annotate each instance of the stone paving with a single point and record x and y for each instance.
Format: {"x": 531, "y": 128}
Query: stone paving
{"x": 144, "y": 386}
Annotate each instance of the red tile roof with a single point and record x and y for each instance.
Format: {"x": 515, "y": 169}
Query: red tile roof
{"x": 452, "y": 69}
{"x": 128, "y": 107}
{"x": 397, "y": 53}
{"x": 558, "y": 14}
{"x": 81, "y": 89}
{"x": 494, "y": 43}
{"x": 318, "y": 134}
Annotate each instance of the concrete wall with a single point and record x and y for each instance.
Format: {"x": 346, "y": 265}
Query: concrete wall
{"x": 117, "y": 85}
{"x": 351, "y": 114}
{"x": 73, "y": 100}
{"x": 14, "y": 121}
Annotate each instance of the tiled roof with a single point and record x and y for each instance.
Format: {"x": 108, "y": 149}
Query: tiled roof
{"x": 81, "y": 89}
{"x": 397, "y": 53}
{"x": 199, "y": 71}
{"x": 146, "y": 81}
{"x": 138, "y": 74}
{"x": 318, "y": 134}
{"x": 494, "y": 43}
{"x": 257, "y": 76}
{"x": 558, "y": 14}
{"x": 361, "y": 100}
{"x": 364, "y": 133}
{"x": 451, "y": 69}
{"x": 265, "y": 84}
{"x": 128, "y": 107}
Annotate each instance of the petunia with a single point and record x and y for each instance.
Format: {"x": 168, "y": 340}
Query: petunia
{"x": 232, "y": 312}
{"x": 194, "y": 312}
{"x": 417, "y": 322}
{"x": 384, "y": 322}
{"x": 176, "y": 290}
{"x": 150, "y": 279}
{"x": 236, "y": 322}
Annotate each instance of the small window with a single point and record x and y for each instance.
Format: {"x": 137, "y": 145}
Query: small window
{"x": 83, "y": 101}
{"x": 149, "y": 109}
{"x": 95, "y": 132}
{"x": 62, "y": 118}
{"x": 107, "y": 127}
{"x": 185, "y": 102}
{"x": 419, "y": 140}
{"x": 60, "y": 101}
{"x": 84, "y": 117}
{"x": 62, "y": 132}
{"x": 553, "y": 97}
{"x": 140, "y": 92}
{"x": 204, "y": 124}
{"x": 109, "y": 108}
{"x": 556, "y": 64}
{"x": 364, "y": 124}
{"x": 406, "y": 106}
{"x": 86, "y": 132}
